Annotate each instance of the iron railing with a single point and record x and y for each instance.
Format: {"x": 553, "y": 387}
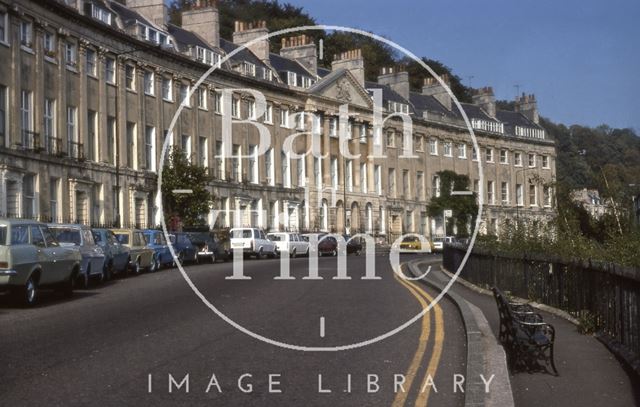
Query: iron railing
{"x": 53, "y": 145}
{"x": 76, "y": 150}
{"x": 603, "y": 294}
{"x": 30, "y": 140}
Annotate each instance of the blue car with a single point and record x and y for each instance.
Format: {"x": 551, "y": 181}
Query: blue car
{"x": 184, "y": 248}
{"x": 161, "y": 254}
{"x": 81, "y": 238}
{"x": 116, "y": 255}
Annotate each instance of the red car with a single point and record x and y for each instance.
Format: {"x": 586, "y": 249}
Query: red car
{"x": 328, "y": 245}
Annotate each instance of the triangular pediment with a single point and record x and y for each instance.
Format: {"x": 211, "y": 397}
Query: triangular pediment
{"x": 343, "y": 87}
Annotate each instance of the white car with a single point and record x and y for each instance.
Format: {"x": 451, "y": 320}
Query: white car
{"x": 438, "y": 242}
{"x": 253, "y": 242}
{"x": 293, "y": 243}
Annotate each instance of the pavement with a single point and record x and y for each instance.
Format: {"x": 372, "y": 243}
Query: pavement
{"x": 589, "y": 375}
{"x": 149, "y": 340}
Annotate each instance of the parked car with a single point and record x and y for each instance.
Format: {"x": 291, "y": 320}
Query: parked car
{"x": 116, "y": 255}
{"x": 161, "y": 254}
{"x": 411, "y": 244}
{"x": 31, "y": 258}
{"x": 354, "y": 246}
{"x": 140, "y": 256}
{"x": 253, "y": 242}
{"x": 327, "y": 245}
{"x": 184, "y": 248}
{"x": 293, "y": 243}
{"x": 438, "y": 242}
{"x": 81, "y": 237}
{"x": 208, "y": 246}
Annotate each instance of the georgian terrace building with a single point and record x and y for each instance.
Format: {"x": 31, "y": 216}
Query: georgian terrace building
{"x": 88, "y": 90}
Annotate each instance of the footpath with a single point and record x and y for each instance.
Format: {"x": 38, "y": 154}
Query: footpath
{"x": 589, "y": 375}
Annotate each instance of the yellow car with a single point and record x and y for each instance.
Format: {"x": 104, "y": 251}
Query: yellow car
{"x": 413, "y": 244}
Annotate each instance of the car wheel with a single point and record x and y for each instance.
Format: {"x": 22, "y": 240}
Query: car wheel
{"x": 293, "y": 254}
{"x": 28, "y": 294}
{"x": 180, "y": 260}
{"x": 85, "y": 278}
{"x": 260, "y": 254}
{"x": 138, "y": 267}
{"x": 213, "y": 257}
{"x": 154, "y": 264}
{"x": 69, "y": 285}
{"x": 334, "y": 253}
{"x": 107, "y": 273}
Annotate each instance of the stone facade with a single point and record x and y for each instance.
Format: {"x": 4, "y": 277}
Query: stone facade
{"x": 88, "y": 91}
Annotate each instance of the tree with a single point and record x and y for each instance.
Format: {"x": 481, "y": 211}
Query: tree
{"x": 179, "y": 173}
{"x": 464, "y": 207}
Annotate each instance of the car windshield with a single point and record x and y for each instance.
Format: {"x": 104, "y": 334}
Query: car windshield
{"x": 3, "y": 235}
{"x": 410, "y": 239}
{"x": 242, "y": 233}
{"x": 97, "y": 237}
{"x": 438, "y": 239}
{"x": 199, "y": 237}
{"x": 66, "y": 235}
{"x": 122, "y": 238}
{"x": 276, "y": 238}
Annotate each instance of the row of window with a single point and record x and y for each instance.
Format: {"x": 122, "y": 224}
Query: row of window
{"x": 505, "y": 194}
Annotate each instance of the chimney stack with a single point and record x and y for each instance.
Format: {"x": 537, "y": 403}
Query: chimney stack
{"x": 528, "y": 106}
{"x": 302, "y": 49}
{"x": 433, "y": 88}
{"x": 352, "y": 61}
{"x": 396, "y": 79}
{"x": 486, "y": 100}
{"x": 248, "y": 31}
{"x": 203, "y": 19}
{"x": 155, "y": 11}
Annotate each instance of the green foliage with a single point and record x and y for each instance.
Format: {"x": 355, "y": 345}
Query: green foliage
{"x": 417, "y": 74}
{"x": 464, "y": 207}
{"x": 573, "y": 234}
{"x": 179, "y": 173}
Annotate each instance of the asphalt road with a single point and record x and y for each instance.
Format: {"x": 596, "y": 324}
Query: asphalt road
{"x": 123, "y": 343}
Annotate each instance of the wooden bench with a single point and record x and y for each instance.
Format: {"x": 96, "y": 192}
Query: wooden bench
{"x": 526, "y": 337}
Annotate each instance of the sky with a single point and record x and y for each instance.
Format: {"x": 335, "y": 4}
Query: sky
{"x": 580, "y": 58}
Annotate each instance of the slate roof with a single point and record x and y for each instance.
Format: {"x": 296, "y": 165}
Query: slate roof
{"x": 512, "y": 119}
{"x": 388, "y": 94}
{"x": 243, "y": 55}
{"x": 428, "y": 103}
{"x": 282, "y": 64}
{"x": 128, "y": 16}
{"x": 322, "y": 72}
{"x": 184, "y": 38}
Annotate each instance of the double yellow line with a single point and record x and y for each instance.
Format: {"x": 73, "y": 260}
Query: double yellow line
{"x": 438, "y": 335}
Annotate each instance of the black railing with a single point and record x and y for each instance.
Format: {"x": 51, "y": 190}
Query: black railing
{"x": 30, "y": 140}
{"x": 76, "y": 150}
{"x": 605, "y": 296}
{"x": 54, "y": 145}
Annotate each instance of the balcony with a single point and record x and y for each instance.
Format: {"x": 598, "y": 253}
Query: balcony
{"x": 30, "y": 141}
{"x": 54, "y": 145}
{"x": 76, "y": 150}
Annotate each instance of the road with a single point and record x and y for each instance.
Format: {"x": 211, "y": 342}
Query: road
{"x": 123, "y": 343}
